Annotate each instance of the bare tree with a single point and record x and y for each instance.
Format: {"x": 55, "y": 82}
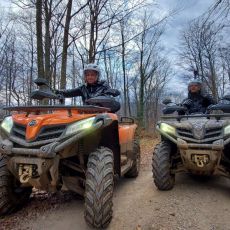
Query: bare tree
{"x": 65, "y": 44}
{"x": 68, "y": 34}
{"x": 200, "y": 44}
{"x": 219, "y": 11}
{"x": 40, "y": 62}
{"x": 147, "y": 63}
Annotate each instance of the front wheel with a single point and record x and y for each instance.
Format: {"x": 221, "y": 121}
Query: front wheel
{"x": 12, "y": 196}
{"x": 161, "y": 166}
{"x": 99, "y": 188}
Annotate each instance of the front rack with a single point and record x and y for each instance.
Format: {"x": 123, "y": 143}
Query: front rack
{"x": 41, "y": 108}
{"x": 179, "y": 117}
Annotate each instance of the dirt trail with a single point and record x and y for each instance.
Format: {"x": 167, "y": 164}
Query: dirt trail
{"x": 139, "y": 205}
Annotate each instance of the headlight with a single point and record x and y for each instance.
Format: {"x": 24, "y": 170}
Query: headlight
{"x": 167, "y": 128}
{"x": 80, "y": 125}
{"x": 7, "y": 124}
{"x": 227, "y": 130}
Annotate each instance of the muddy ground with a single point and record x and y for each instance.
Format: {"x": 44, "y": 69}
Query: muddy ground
{"x": 192, "y": 204}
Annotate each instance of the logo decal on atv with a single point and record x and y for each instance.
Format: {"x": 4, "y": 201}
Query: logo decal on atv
{"x": 32, "y": 123}
{"x": 198, "y": 131}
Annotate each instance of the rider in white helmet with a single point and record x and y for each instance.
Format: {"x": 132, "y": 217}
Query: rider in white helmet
{"x": 93, "y": 87}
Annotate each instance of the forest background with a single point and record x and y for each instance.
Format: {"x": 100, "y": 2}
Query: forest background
{"x": 54, "y": 39}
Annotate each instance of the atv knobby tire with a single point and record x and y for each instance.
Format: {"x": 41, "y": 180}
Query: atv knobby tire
{"x": 134, "y": 171}
{"x": 12, "y": 196}
{"x": 161, "y": 167}
{"x": 99, "y": 188}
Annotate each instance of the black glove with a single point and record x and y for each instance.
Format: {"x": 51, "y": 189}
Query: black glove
{"x": 187, "y": 103}
{"x": 58, "y": 92}
{"x": 113, "y": 92}
{"x": 209, "y": 108}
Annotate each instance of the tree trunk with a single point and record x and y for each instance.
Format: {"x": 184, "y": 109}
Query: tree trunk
{"x": 141, "y": 100}
{"x": 65, "y": 45}
{"x": 48, "y": 13}
{"x": 39, "y": 39}
{"x": 141, "y": 91}
{"x": 31, "y": 73}
{"x": 123, "y": 68}
{"x": 213, "y": 79}
{"x": 94, "y": 12}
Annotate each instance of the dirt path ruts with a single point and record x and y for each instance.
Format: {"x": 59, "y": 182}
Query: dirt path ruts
{"x": 139, "y": 205}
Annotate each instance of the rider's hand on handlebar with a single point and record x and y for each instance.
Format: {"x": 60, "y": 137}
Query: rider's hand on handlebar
{"x": 187, "y": 103}
{"x": 112, "y": 92}
{"x": 109, "y": 92}
{"x": 209, "y": 108}
{"x": 58, "y": 92}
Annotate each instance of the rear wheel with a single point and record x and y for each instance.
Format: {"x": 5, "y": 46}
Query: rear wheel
{"x": 99, "y": 188}
{"x": 12, "y": 196}
{"x": 161, "y": 166}
{"x": 134, "y": 171}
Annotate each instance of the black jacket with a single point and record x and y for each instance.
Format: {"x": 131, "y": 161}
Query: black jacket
{"x": 101, "y": 88}
{"x": 196, "y": 102}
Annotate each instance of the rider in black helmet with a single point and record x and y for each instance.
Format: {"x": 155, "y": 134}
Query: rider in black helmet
{"x": 93, "y": 87}
{"x": 197, "y": 101}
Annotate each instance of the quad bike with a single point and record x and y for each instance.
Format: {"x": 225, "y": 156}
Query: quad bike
{"x": 81, "y": 148}
{"x": 195, "y": 143}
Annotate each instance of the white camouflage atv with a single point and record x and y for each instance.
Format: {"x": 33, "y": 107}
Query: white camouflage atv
{"x": 196, "y": 143}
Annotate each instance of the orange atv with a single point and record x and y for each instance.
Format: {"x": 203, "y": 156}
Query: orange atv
{"x": 79, "y": 148}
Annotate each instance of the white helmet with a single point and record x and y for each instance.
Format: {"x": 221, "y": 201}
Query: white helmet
{"x": 195, "y": 81}
{"x": 94, "y": 67}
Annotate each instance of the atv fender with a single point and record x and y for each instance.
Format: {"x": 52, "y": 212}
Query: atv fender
{"x": 126, "y": 137}
{"x": 110, "y": 139}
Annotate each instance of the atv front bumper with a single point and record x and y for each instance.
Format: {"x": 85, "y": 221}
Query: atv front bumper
{"x": 35, "y": 172}
{"x": 39, "y": 167}
{"x": 216, "y": 145}
{"x": 46, "y": 151}
{"x": 199, "y": 158}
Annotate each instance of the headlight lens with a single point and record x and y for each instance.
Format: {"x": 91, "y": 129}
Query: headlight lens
{"x": 80, "y": 125}
{"x": 227, "y": 130}
{"x": 168, "y": 128}
{"x": 7, "y": 124}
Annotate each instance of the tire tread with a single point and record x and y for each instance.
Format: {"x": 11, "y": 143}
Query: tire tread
{"x": 161, "y": 167}
{"x": 99, "y": 188}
